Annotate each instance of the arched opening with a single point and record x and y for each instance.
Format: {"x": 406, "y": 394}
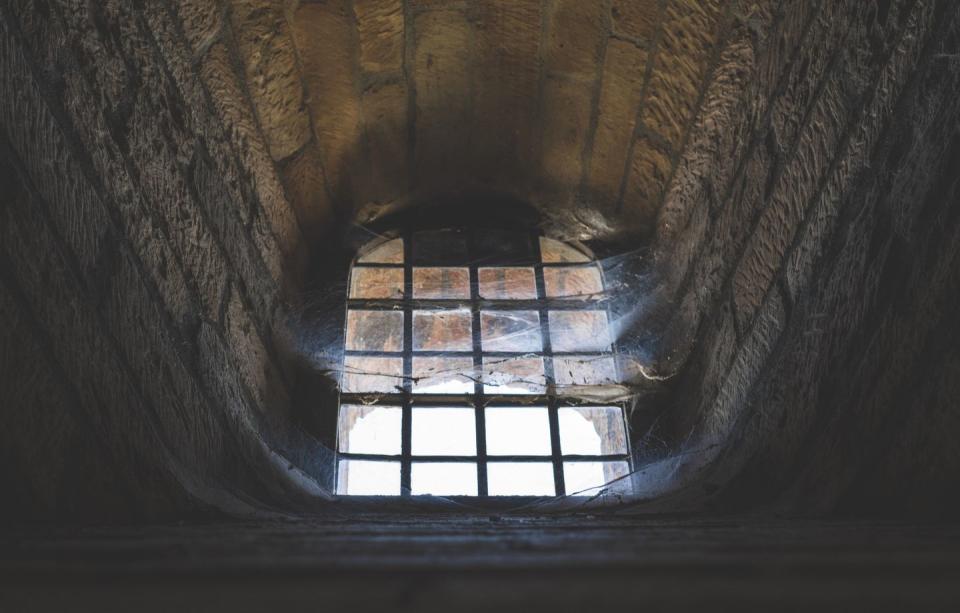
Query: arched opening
{"x": 474, "y": 360}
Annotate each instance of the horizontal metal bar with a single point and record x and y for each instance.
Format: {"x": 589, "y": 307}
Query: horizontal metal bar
{"x": 375, "y": 265}
{"x": 486, "y": 354}
{"x": 489, "y": 458}
{"x": 591, "y": 263}
{"x": 553, "y": 304}
{"x": 465, "y": 400}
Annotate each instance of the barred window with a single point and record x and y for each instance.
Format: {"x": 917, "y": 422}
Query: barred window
{"x": 466, "y": 355}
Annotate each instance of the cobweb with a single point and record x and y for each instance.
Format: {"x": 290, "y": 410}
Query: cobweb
{"x": 583, "y": 329}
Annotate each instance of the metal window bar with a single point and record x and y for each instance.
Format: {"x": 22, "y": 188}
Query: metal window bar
{"x": 406, "y": 420}
{"x": 479, "y": 398}
{"x": 552, "y": 412}
{"x": 478, "y": 406}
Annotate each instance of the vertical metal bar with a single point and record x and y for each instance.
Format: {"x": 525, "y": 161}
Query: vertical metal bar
{"x": 478, "y": 406}
{"x": 548, "y": 369}
{"x": 406, "y": 420}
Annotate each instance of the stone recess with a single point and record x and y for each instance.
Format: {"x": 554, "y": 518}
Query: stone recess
{"x": 166, "y": 167}
{"x": 558, "y": 103}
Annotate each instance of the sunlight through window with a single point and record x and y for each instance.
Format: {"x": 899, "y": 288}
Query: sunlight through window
{"x": 460, "y": 366}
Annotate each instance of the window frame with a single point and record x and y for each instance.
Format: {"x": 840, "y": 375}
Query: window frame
{"x": 479, "y": 399}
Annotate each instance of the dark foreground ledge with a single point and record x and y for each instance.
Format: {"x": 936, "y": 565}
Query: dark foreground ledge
{"x": 483, "y": 563}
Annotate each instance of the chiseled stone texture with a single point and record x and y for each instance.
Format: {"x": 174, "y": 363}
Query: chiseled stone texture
{"x": 811, "y": 264}
{"x": 136, "y": 255}
{"x": 563, "y": 104}
{"x": 272, "y": 73}
{"x": 790, "y": 167}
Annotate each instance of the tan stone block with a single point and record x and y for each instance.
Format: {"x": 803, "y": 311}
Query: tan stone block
{"x": 218, "y": 74}
{"x": 637, "y": 19}
{"x": 324, "y": 35}
{"x": 441, "y": 75}
{"x": 575, "y": 34}
{"x": 272, "y": 75}
{"x": 303, "y": 178}
{"x": 506, "y": 78}
{"x": 620, "y": 92}
{"x": 689, "y": 34}
{"x": 567, "y": 106}
{"x": 380, "y": 25}
{"x": 669, "y": 104}
{"x": 385, "y": 123}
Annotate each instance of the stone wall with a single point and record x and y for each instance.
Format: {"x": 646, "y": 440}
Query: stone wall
{"x": 142, "y": 265}
{"x": 581, "y": 108}
{"x": 813, "y": 271}
{"x": 166, "y": 166}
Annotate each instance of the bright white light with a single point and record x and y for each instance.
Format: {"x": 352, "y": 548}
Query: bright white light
{"x": 592, "y": 430}
{"x": 520, "y": 479}
{"x": 443, "y": 478}
{"x": 366, "y": 478}
{"x": 374, "y": 429}
{"x": 578, "y": 436}
{"x": 518, "y": 431}
{"x": 444, "y": 431}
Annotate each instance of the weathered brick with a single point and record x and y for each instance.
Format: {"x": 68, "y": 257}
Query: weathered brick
{"x": 202, "y": 22}
{"x": 218, "y": 75}
{"x": 305, "y": 183}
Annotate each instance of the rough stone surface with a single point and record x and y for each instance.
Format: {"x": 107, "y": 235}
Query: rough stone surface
{"x": 820, "y": 247}
{"x": 272, "y": 73}
{"x": 791, "y": 169}
{"x": 557, "y": 103}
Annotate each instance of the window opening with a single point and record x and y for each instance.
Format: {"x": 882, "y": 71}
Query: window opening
{"x": 462, "y": 366}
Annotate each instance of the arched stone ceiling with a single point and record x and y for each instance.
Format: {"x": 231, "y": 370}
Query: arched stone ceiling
{"x": 576, "y": 106}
